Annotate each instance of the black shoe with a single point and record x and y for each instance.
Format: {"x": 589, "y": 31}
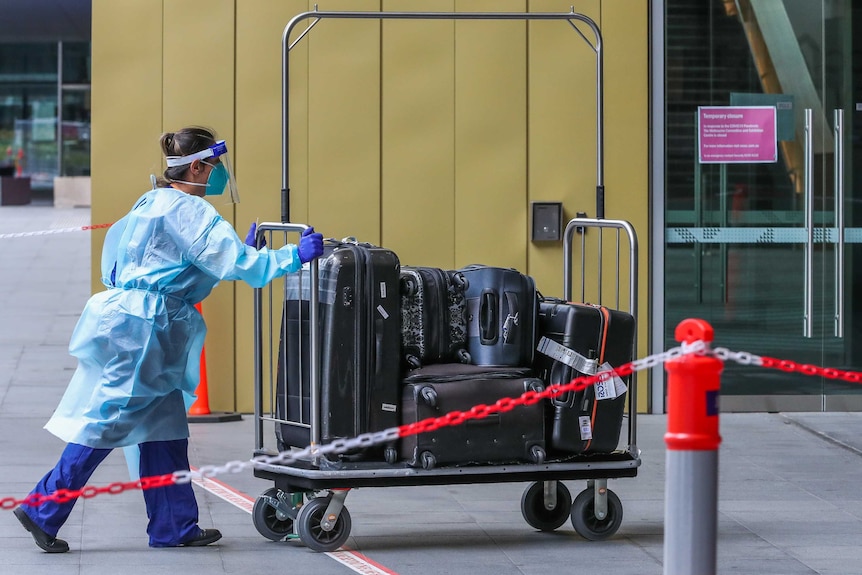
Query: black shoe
{"x": 46, "y": 542}
{"x": 205, "y": 537}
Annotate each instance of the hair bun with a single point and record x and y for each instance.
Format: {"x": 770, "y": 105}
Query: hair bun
{"x": 167, "y": 143}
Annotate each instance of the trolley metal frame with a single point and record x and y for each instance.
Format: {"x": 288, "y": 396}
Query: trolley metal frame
{"x": 322, "y": 522}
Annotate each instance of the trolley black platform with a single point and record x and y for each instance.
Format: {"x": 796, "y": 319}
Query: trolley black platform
{"x": 307, "y": 499}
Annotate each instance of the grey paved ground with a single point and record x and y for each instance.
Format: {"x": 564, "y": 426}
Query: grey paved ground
{"x": 790, "y": 496}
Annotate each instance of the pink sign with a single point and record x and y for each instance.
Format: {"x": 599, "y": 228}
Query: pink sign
{"x": 736, "y": 134}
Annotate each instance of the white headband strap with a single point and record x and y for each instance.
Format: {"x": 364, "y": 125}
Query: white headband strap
{"x": 217, "y": 149}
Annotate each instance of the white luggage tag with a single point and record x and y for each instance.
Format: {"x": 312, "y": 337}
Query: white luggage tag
{"x": 586, "y": 427}
{"x": 567, "y": 356}
{"x": 610, "y": 387}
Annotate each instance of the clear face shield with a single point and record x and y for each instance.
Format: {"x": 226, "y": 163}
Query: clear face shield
{"x": 221, "y": 176}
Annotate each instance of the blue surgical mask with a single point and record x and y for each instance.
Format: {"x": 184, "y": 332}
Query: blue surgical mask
{"x": 217, "y": 179}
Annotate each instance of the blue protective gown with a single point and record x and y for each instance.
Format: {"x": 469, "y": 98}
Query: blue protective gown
{"x": 138, "y": 343}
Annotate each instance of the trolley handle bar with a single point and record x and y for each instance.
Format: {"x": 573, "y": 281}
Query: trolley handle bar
{"x": 570, "y": 17}
{"x": 314, "y": 351}
{"x": 568, "y": 235}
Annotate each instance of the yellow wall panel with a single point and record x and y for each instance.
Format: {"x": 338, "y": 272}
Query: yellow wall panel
{"x": 562, "y": 119}
{"x": 258, "y": 159}
{"x": 198, "y": 64}
{"x": 490, "y": 137}
{"x": 626, "y": 25}
{"x": 418, "y": 136}
{"x": 431, "y": 138}
{"x": 127, "y": 110}
{"x": 344, "y": 124}
{"x": 199, "y": 90}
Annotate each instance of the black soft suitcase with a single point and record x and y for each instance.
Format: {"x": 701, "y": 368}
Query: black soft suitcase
{"x": 360, "y": 331}
{"x": 578, "y": 339}
{"x": 433, "y": 316}
{"x": 502, "y": 308}
{"x": 435, "y": 390}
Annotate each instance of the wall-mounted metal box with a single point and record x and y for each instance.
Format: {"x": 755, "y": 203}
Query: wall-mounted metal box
{"x": 547, "y": 221}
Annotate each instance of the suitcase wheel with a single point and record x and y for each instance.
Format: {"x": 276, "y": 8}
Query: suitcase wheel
{"x": 464, "y": 356}
{"x": 408, "y": 287}
{"x": 428, "y": 460}
{"x": 460, "y": 281}
{"x": 537, "y": 453}
{"x": 429, "y": 396}
{"x": 412, "y": 361}
{"x": 390, "y": 454}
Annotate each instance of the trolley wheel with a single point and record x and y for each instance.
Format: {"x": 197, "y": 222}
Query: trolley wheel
{"x": 584, "y": 518}
{"x": 312, "y": 533}
{"x": 266, "y": 521}
{"x": 540, "y": 517}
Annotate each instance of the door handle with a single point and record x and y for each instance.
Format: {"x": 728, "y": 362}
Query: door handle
{"x": 808, "y": 191}
{"x": 839, "y": 222}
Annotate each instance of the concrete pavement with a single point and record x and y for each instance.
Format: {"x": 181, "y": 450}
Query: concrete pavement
{"x": 790, "y": 496}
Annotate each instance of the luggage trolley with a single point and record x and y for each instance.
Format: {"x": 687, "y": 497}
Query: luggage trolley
{"x": 307, "y": 499}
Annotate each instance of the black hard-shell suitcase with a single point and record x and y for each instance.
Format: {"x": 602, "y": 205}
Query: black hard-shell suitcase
{"x": 292, "y": 384}
{"x": 435, "y": 390}
{"x": 433, "y": 316}
{"x": 578, "y": 339}
{"x": 502, "y": 309}
{"x": 360, "y": 387}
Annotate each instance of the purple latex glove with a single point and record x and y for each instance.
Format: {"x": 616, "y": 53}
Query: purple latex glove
{"x": 249, "y": 238}
{"x": 310, "y": 245}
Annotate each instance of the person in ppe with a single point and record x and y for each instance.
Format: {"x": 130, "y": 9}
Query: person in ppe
{"x": 138, "y": 343}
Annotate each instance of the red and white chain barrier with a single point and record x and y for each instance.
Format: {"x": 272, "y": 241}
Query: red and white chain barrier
{"x": 430, "y": 424}
{"x": 52, "y": 232}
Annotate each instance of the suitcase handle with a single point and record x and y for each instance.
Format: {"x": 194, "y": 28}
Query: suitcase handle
{"x": 512, "y": 319}
{"x": 378, "y": 348}
{"x": 491, "y": 419}
{"x": 488, "y": 318}
{"x": 566, "y": 399}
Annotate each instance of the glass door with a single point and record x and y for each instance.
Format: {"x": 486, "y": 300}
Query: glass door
{"x": 764, "y": 248}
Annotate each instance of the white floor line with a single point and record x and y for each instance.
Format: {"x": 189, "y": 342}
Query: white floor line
{"x": 354, "y": 560}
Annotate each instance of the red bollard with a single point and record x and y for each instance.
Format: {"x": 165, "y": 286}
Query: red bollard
{"x": 692, "y": 439}
{"x": 693, "y": 387}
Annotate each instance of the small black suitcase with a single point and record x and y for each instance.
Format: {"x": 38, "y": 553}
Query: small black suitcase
{"x": 360, "y": 387}
{"x": 435, "y": 390}
{"x": 502, "y": 309}
{"x": 578, "y": 339}
{"x": 433, "y": 316}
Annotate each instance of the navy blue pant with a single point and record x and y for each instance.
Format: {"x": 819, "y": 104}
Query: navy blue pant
{"x": 172, "y": 510}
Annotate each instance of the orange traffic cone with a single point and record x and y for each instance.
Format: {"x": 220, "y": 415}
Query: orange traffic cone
{"x": 200, "y": 412}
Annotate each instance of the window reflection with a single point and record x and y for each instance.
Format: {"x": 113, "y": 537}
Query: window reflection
{"x": 30, "y": 80}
